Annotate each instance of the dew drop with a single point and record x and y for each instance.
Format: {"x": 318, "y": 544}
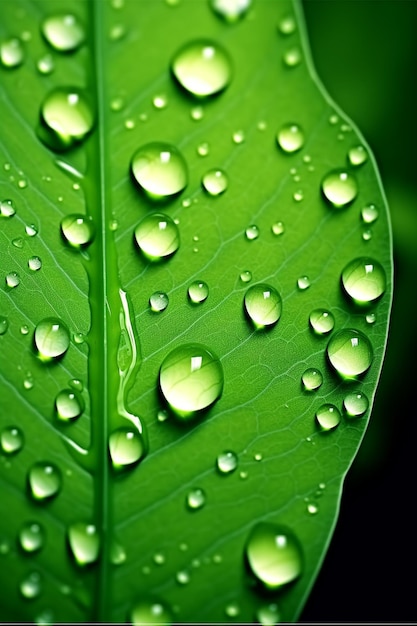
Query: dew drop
{"x": 357, "y": 156}
{"x": 32, "y": 537}
{"x": 31, "y": 230}
{"x": 203, "y": 149}
{"x": 367, "y": 235}
{"x": 126, "y": 448}
{"x": 198, "y": 292}
{"x": 292, "y": 57}
{"x": 278, "y": 228}
{"x": 51, "y": 338}
{"x": 45, "y": 618}
{"x": 130, "y": 124}
{"x": 158, "y": 301}
{"x": 160, "y": 170}
{"x": 24, "y": 329}
{"x": 370, "y": 318}
{"x": 227, "y": 462}
{"x": 274, "y": 555}
{"x": 63, "y": 32}
{"x": 263, "y": 305}
{"x": 196, "y": 499}
{"x": 78, "y": 230}
{"x": 31, "y": 586}
{"x": 339, "y": 188}
{"x": 11, "y": 53}
{"x": 4, "y": 325}
{"x": 197, "y": 113}
{"x": 7, "y": 209}
{"x": 232, "y": 609}
{"x": 183, "y": 577}
{"x": 369, "y": 214}
{"x": 312, "y": 379}
{"x": 44, "y": 481}
{"x": 159, "y": 558}
{"x": 84, "y": 542}
{"x": 290, "y": 138}
{"x": 160, "y": 101}
{"x": 350, "y": 353}
{"x": 117, "y": 32}
{"x": 303, "y": 283}
{"x": 11, "y": 440}
{"x": 355, "y": 404}
{"x": 215, "y": 182}
{"x": 287, "y": 25}
{"x": 202, "y": 68}
{"x": 321, "y": 321}
{"x": 328, "y": 416}
{"x": 252, "y": 232}
{"x": 34, "y": 263}
{"x": 157, "y": 236}
{"x": 45, "y": 64}
{"x": 230, "y": 10}
{"x": 191, "y": 379}
{"x": 68, "y": 405}
{"x": 117, "y": 553}
{"x": 363, "y": 279}
{"x": 268, "y": 615}
{"x": 246, "y": 276}
{"x": 150, "y": 611}
{"x": 67, "y": 118}
{"x": 312, "y": 508}
{"x": 12, "y": 280}
{"x": 117, "y": 103}
{"x": 18, "y": 242}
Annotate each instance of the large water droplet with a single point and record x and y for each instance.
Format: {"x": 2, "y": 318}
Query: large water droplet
{"x": 230, "y": 10}
{"x": 198, "y": 292}
{"x": 196, "y": 499}
{"x": 328, "y": 416}
{"x": 252, "y": 232}
{"x": 215, "y": 182}
{"x": 227, "y": 462}
{"x": 339, "y": 188}
{"x": 63, "y": 32}
{"x": 11, "y": 440}
{"x": 321, "y": 321}
{"x": 69, "y": 405}
{"x": 78, "y": 230}
{"x": 263, "y": 305}
{"x": 84, "y": 542}
{"x": 274, "y": 555}
{"x": 290, "y": 138}
{"x": 44, "y": 481}
{"x": 303, "y": 283}
{"x": 364, "y": 280}
{"x": 51, "y": 338}
{"x": 150, "y": 611}
{"x": 355, "y": 404}
{"x": 278, "y": 228}
{"x": 67, "y": 117}
{"x": 126, "y": 448}
{"x": 11, "y": 53}
{"x": 34, "y": 263}
{"x": 202, "y": 68}
{"x": 31, "y": 586}
{"x": 32, "y": 537}
{"x": 312, "y": 379}
{"x": 157, "y": 236}
{"x": 12, "y": 280}
{"x": 160, "y": 170}
{"x": 191, "y": 379}
{"x": 350, "y": 353}
{"x": 357, "y": 156}
{"x": 158, "y": 301}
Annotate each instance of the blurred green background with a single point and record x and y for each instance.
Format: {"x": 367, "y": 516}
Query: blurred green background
{"x": 365, "y": 53}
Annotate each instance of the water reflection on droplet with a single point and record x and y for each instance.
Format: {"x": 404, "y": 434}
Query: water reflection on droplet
{"x": 202, "y": 67}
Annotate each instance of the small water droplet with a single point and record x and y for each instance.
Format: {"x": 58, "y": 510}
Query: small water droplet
{"x": 292, "y": 57}
{"x": 227, "y": 462}
{"x": 117, "y": 32}
{"x": 196, "y": 499}
{"x": 328, "y": 416}
{"x": 312, "y": 379}
{"x": 32, "y": 537}
{"x": 34, "y": 263}
{"x": 298, "y": 195}
{"x": 63, "y": 32}
{"x": 243, "y": 475}
{"x": 278, "y": 228}
{"x": 4, "y": 324}
{"x": 312, "y": 508}
{"x": 160, "y": 101}
{"x": 274, "y": 555}
{"x": 45, "y": 64}
{"x": 159, "y": 558}
{"x": 11, "y": 440}
{"x": 160, "y": 170}
{"x": 230, "y": 10}
{"x": 31, "y": 230}
{"x": 130, "y": 124}
{"x": 117, "y": 103}
{"x": 183, "y": 577}
{"x": 18, "y": 242}
{"x": 198, "y": 292}
{"x": 246, "y": 276}
{"x": 12, "y": 280}
{"x": 197, "y": 113}
{"x": 367, "y": 234}
{"x": 67, "y": 118}
{"x": 44, "y": 481}
{"x": 69, "y": 405}
{"x": 303, "y": 283}
{"x": 355, "y": 404}
{"x": 157, "y": 236}
{"x": 287, "y": 25}
{"x": 150, "y": 611}
{"x": 28, "y": 381}
{"x": 370, "y": 318}
{"x": 84, "y": 542}
{"x": 263, "y": 305}
{"x": 126, "y": 448}
{"x": 117, "y": 553}
{"x": 162, "y": 416}
{"x": 215, "y": 182}
{"x": 357, "y": 156}
{"x": 339, "y": 188}
{"x": 363, "y": 279}
{"x": 369, "y": 214}
{"x": 51, "y": 338}
{"x": 321, "y": 321}
{"x": 7, "y": 209}
{"x": 203, "y": 149}
{"x": 191, "y": 379}
{"x": 11, "y": 53}
{"x": 158, "y": 301}
{"x": 252, "y": 232}
{"x": 232, "y": 609}
{"x": 202, "y": 67}
{"x": 238, "y": 137}
{"x": 31, "y": 586}
{"x": 22, "y": 183}
{"x": 290, "y": 138}
{"x": 350, "y": 353}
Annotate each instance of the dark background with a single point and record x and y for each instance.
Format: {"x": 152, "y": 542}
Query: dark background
{"x": 365, "y": 52}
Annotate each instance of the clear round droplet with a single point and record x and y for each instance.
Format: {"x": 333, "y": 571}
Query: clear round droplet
{"x": 196, "y": 499}
{"x": 203, "y": 148}
{"x": 31, "y": 230}
{"x": 84, "y": 543}
{"x": 44, "y": 481}
{"x": 369, "y": 214}
{"x": 298, "y": 195}
{"x": 12, "y": 280}
{"x": 45, "y": 64}
{"x": 328, "y": 416}
{"x": 232, "y": 609}
{"x": 197, "y": 113}
{"x": 312, "y": 379}
{"x": 63, "y": 32}
{"x": 34, "y": 263}
{"x": 339, "y": 188}
{"x": 31, "y": 586}
{"x": 7, "y": 209}
{"x": 32, "y": 537}
{"x": 158, "y": 301}
{"x": 160, "y": 170}
{"x": 183, "y": 577}
{"x": 215, "y": 182}
{"x": 238, "y": 137}
{"x": 263, "y": 305}
{"x": 157, "y": 236}
{"x": 51, "y": 338}
{"x": 230, "y": 10}
{"x": 78, "y": 230}
{"x": 274, "y": 555}
{"x": 370, "y": 318}
{"x": 151, "y": 611}
{"x": 252, "y": 232}
{"x": 69, "y": 405}
{"x": 278, "y": 228}
{"x": 287, "y": 25}
{"x": 4, "y": 324}
{"x": 268, "y": 615}
{"x": 203, "y": 68}
{"x": 357, "y": 156}
{"x": 227, "y": 462}
{"x": 321, "y": 321}
{"x": 292, "y": 57}
{"x": 312, "y": 508}
{"x": 355, "y": 404}
{"x": 67, "y": 118}
{"x": 350, "y": 353}
{"x": 303, "y": 283}
{"x": 126, "y": 448}
{"x": 290, "y": 138}
{"x": 363, "y": 279}
{"x": 160, "y": 101}
{"x": 11, "y": 440}
{"x": 191, "y": 379}
{"x": 11, "y": 53}
{"x": 198, "y": 292}
{"x": 246, "y": 276}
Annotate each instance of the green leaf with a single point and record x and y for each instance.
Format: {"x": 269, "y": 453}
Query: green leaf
{"x": 121, "y": 512}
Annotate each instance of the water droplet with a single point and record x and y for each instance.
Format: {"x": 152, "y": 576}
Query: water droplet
{"x": 84, "y": 542}
{"x": 238, "y": 137}
{"x": 268, "y": 615}
{"x": 215, "y": 182}
{"x": 117, "y": 103}
{"x": 367, "y": 235}
{"x": 202, "y": 67}
{"x": 4, "y": 324}
{"x": 355, "y": 404}
{"x": 69, "y": 405}
{"x": 31, "y": 586}
{"x": 230, "y": 10}
{"x": 12, "y": 280}
{"x": 369, "y": 214}
{"x": 350, "y": 353}
{"x": 203, "y": 149}
{"x": 28, "y": 381}
{"x": 158, "y": 301}
{"x": 45, "y": 618}
{"x": 63, "y": 32}
{"x": 274, "y": 555}
{"x": 130, "y": 124}
{"x": 117, "y": 553}
{"x": 11, "y": 440}
{"x": 159, "y": 558}
{"x": 232, "y": 609}
{"x": 24, "y": 329}
{"x": 227, "y": 462}
{"x": 44, "y": 481}
{"x": 183, "y": 577}
{"x": 7, "y": 209}
{"x": 198, "y": 292}
{"x": 252, "y": 232}
{"x": 11, "y": 53}
{"x": 157, "y": 236}
{"x": 246, "y": 276}
{"x": 191, "y": 379}
{"x": 18, "y": 242}
{"x": 126, "y": 448}
{"x": 263, "y": 305}
{"x": 287, "y": 25}
{"x": 67, "y": 117}
{"x": 312, "y": 379}
{"x": 328, "y": 416}
{"x": 32, "y": 537}
{"x": 117, "y": 32}
{"x": 151, "y": 611}
{"x": 370, "y": 318}
{"x": 160, "y": 101}
{"x": 303, "y": 283}
{"x": 339, "y": 188}
{"x": 321, "y": 321}
{"x": 46, "y": 64}
{"x": 34, "y": 263}
{"x": 31, "y": 230}
{"x": 196, "y": 499}
{"x": 290, "y": 138}
{"x": 357, "y": 156}
{"x": 160, "y": 170}
{"x": 278, "y": 228}
{"x": 197, "y": 113}
{"x": 312, "y": 508}
{"x": 51, "y": 338}
{"x": 363, "y": 279}
{"x": 292, "y": 57}
{"x": 78, "y": 230}
{"x": 298, "y": 195}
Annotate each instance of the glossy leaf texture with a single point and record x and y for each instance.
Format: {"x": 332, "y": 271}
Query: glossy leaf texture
{"x": 196, "y": 286}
